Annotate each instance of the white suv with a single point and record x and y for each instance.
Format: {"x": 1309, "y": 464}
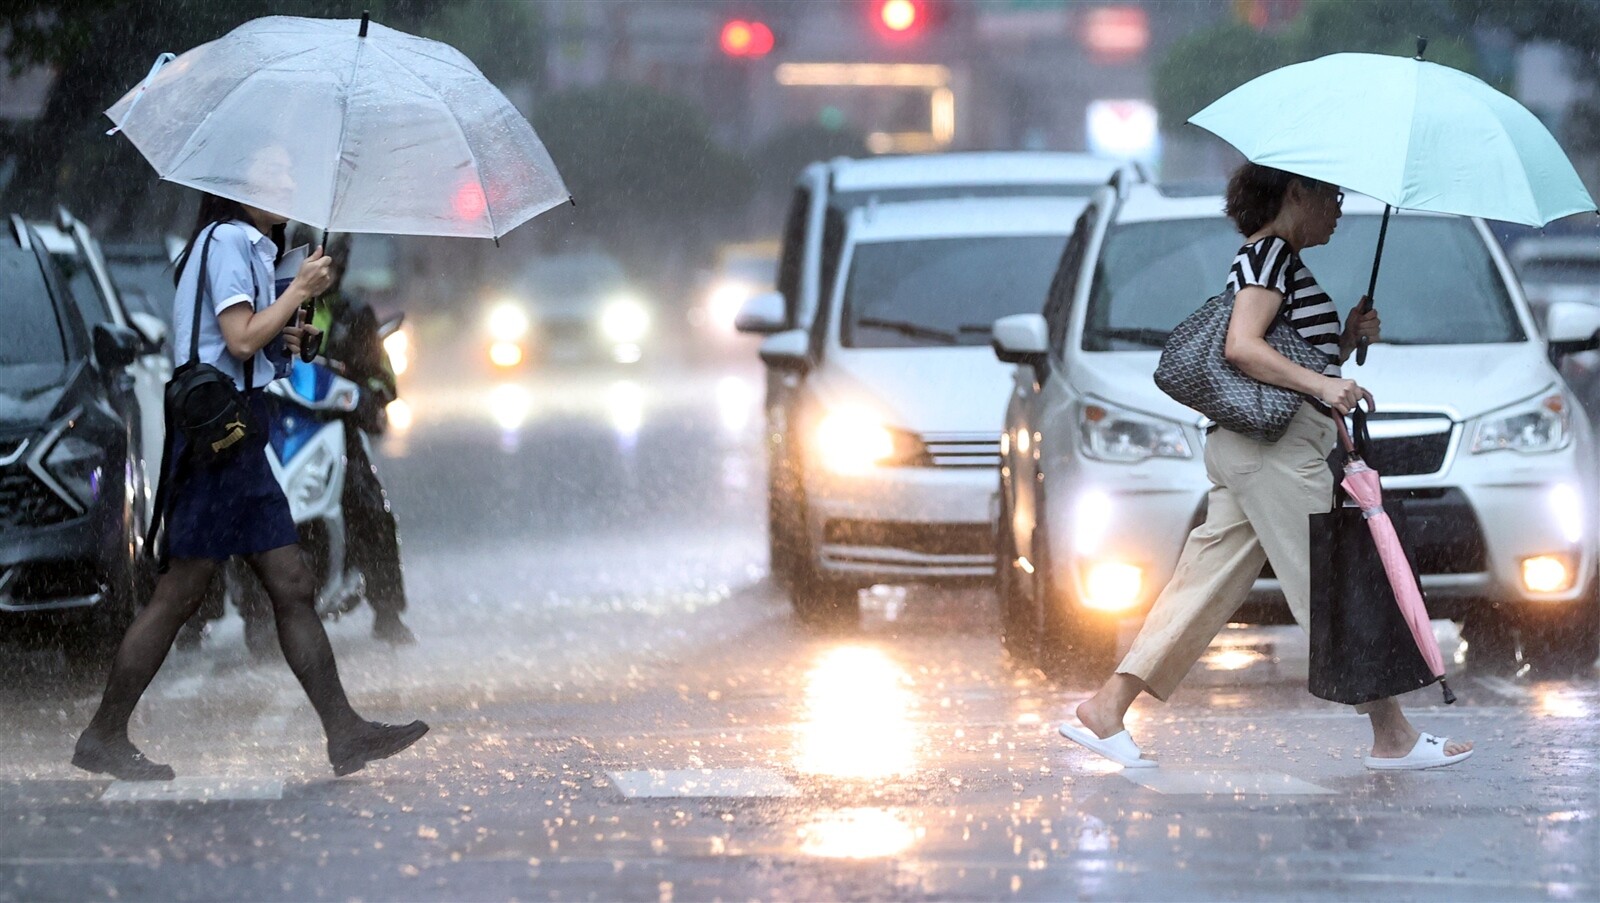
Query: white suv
{"x": 897, "y": 422}
{"x": 824, "y": 195}
{"x": 1102, "y": 477}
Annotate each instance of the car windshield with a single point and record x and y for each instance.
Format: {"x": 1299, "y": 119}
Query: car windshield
{"x": 1438, "y": 285}
{"x": 33, "y": 335}
{"x": 1561, "y": 271}
{"x": 573, "y": 277}
{"x": 144, "y": 281}
{"x": 943, "y": 291}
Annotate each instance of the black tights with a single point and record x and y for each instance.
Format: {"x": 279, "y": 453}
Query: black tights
{"x": 178, "y": 594}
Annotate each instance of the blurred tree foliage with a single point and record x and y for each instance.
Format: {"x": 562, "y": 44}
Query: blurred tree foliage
{"x": 101, "y": 48}
{"x": 1207, "y": 64}
{"x": 649, "y": 177}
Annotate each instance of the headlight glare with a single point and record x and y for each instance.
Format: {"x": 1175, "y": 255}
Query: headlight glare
{"x": 1110, "y": 433}
{"x": 1542, "y": 425}
{"x": 508, "y": 322}
{"x": 852, "y": 441}
{"x": 625, "y": 321}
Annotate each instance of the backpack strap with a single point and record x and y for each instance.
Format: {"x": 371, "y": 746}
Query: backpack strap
{"x": 199, "y": 296}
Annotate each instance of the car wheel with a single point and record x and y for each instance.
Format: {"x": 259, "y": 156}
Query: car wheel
{"x": 785, "y": 528}
{"x": 1074, "y": 645}
{"x": 1491, "y": 637}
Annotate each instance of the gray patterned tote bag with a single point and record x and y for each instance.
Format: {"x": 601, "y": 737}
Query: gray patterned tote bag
{"x": 1194, "y": 371}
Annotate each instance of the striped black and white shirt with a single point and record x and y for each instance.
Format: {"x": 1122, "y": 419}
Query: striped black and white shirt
{"x": 1271, "y": 263}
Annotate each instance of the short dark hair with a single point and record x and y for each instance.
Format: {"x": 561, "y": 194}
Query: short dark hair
{"x": 1255, "y": 195}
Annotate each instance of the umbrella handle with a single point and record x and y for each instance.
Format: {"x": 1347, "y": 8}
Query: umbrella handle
{"x": 1346, "y": 441}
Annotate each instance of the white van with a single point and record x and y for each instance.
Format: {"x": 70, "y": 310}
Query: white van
{"x": 1102, "y": 475}
{"x": 896, "y": 424}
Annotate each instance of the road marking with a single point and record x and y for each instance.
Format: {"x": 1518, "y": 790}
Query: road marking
{"x": 702, "y": 782}
{"x": 201, "y": 790}
{"x": 1194, "y": 782}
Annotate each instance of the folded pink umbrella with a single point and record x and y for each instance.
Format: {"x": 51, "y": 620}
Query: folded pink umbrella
{"x": 1362, "y": 484}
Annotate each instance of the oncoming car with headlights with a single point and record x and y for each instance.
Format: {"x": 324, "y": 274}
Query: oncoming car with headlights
{"x": 898, "y": 415}
{"x": 1102, "y": 475}
{"x": 568, "y": 309}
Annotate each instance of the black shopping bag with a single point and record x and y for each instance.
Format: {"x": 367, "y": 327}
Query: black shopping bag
{"x": 1361, "y": 646}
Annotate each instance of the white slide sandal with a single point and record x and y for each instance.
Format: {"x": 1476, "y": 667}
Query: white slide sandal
{"x": 1118, "y": 747}
{"x": 1428, "y": 753}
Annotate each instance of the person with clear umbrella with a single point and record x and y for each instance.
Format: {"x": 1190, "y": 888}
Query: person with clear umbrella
{"x": 233, "y": 507}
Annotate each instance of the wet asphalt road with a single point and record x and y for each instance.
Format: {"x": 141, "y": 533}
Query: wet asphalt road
{"x": 622, "y": 708}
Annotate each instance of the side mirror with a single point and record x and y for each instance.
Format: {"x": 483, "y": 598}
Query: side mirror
{"x": 390, "y": 326}
{"x": 115, "y": 346}
{"x": 789, "y": 350}
{"x": 1573, "y": 327}
{"x": 1022, "y": 339}
{"x": 151, "y": 328}
{"x": 763, "y": 314}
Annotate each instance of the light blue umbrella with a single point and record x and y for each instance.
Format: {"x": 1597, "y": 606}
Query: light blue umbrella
{"x": 1410, "y": 133}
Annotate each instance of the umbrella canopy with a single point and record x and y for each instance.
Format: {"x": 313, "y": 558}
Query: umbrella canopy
{"x": 1410, "y": 133}
{"x": 1363, "y": 485}
{"x": 345, "y": 127}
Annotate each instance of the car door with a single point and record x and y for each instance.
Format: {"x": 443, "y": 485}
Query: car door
{"x": 1032, "y": 390}
{"x": 149, "y": 373}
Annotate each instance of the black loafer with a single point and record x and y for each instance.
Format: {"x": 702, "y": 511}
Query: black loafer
{"x": 122, "y": 761}
{"x": 378, "y": 741}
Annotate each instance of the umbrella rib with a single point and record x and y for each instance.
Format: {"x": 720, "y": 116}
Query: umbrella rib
{"x": 476, "y": 170}
{"x": 344, "y": 127}
{"x": 184, "y": 154}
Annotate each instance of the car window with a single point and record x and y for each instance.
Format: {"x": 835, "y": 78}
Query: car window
{"x": 1561, "y": 271}
{"x": 1064, "y": 284}
{"x": 794, "y": 249}
{"x": 33, "y": 333}
{"x": 92, "y": 305}
{"x": 1438, "y": 285}
{"x": 943, "y": 291}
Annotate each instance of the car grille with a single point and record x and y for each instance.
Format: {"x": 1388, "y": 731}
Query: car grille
{"x": 26, "y": 502}
{"x": 1409, "y": 444}
{"x": 923, "y": 539}
{"x": 962, "y": 449}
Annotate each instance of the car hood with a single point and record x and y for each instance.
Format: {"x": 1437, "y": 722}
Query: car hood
{"x": 35, "y": 394}
{"x": 1467, "y": 380}
{"x": 926, "y": 390}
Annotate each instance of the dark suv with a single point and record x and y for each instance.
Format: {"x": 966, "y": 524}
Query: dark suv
{"x": 71, "y": 500}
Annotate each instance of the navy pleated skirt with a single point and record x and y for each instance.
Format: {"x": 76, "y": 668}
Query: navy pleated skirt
{"x": 233, "y": 507}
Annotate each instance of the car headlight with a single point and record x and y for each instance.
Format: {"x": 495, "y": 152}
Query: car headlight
{"x": 624, "y": 321}
{"x": 1111, "y": 433}
{"x": 508, "y": 322}
{"x": 853, "y": 441}
{"x": 76, "y": 463}
{"x": 1542, "y": 424}
{"x": 397, "y": 345}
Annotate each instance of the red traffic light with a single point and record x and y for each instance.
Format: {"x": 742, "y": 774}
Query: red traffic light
{"x": 748, "y": 39}
{"x": 899, "y": 19}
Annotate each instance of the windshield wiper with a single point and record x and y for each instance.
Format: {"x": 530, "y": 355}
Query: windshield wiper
{"x": 915, "y": 330}
{"x": 1154, "y": 338}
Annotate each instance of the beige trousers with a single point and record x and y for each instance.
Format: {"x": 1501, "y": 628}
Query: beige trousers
{"x": 1262, "y": 494}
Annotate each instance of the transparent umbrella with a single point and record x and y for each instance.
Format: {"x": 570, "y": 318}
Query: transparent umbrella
{"x": 346, "y": 126}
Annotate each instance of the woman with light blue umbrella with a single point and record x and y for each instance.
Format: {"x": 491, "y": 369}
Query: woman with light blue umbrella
{"x": 1413, "y": 134}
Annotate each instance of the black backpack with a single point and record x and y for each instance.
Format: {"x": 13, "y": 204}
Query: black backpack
{"x": 204, "y": 404}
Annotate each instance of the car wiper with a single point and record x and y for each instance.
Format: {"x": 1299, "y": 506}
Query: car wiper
{"x": 915, "y": 330}
{"x": 1155, "y": 338}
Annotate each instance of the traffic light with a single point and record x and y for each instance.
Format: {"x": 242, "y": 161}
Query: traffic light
{"x": 904, "y": 21}
{"x": 749, "y": 39}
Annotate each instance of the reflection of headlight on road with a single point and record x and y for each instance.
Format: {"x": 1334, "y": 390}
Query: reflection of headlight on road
{"x": 505, "y": 354}
{"x": 625, "y": 405}
{"x": 625, "y": 321}
{"x": 725, "y": 302}
{"x": 508, "y": 322}
{"x": 398, "y": 346}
